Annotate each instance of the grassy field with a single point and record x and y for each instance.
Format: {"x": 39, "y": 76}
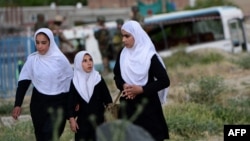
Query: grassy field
{"x": 209, "y": 88}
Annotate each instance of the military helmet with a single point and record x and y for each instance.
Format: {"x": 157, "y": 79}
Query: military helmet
{"x": 120, "y": 21}
{"x": 135, "y": 8}
{"x": 101, "y": 18}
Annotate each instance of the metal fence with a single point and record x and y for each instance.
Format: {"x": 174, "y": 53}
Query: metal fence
{"x": 13, "y": 53}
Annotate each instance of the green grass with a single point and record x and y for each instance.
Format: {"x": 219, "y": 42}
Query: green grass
{"x": 22, "y": 131}
{"x": 193, "y": 121}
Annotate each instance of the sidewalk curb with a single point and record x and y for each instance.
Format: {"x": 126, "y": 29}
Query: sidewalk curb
{"x": 8, "y": 121}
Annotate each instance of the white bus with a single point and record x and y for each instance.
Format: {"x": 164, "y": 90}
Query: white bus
{"x": 215, "y": 27}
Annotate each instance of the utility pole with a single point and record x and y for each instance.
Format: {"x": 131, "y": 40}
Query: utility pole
{"x": 192, "y": 3}
{"x": 163, "y": 3}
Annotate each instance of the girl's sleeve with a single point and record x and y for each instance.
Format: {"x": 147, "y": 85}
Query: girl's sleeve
{"x": 117, "y": 74}
{"x": 72, "y": 101}
{"x": 105, "y": 93}
{"x": 161, "y": 79}
{"x": 22, "y": 88}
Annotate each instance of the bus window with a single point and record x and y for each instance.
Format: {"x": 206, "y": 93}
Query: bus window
{"x": 194, "y": 29}
{"x": 177, "y": 34}
{"x": 237, "y": 36}
{"x": 186, "y": 32}
{"x": 209, "y": 30}
{"x": 157, "y": 36}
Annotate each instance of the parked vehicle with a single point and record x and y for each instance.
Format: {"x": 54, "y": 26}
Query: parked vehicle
{"x": 216, "y": 27}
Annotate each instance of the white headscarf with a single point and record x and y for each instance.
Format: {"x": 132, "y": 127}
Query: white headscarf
{"x": 135, "y": 61}
{"x": 50, "y": 73}
{"x": 84, "y": 82}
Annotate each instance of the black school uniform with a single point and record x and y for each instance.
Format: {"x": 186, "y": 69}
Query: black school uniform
{"x": 47, "y": 111}
{"x": 151, "y": 117}
{"x": 90, "y": 114}
{"x": 50, "y": 73}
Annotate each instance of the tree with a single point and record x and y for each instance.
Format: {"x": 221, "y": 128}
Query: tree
{"x": 210, "y": 3}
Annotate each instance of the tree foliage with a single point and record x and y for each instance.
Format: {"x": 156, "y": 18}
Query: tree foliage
{"x": 209, "y": 3}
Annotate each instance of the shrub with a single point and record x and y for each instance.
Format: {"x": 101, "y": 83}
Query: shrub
{"x": 188, "y": 59}
{"x": 236, "y": 111}
{"x": 205, "y": 89}
{"x": 191, "y": 120}
{"x": 210, "y": 58}
{"x": 22, "y": 131}
{"x": 244, "y": 62}
{"x": 6, "y": 108}
{"x": 180, "y": 58}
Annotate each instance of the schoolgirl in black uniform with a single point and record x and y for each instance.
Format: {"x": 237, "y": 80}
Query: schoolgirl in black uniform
{"x": 88, "y": 90}
{"x": 50, "y": 73}
{"x": 141, "y": 75}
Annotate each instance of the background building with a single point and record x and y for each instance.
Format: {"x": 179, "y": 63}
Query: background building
{"x": 13, "y": 17}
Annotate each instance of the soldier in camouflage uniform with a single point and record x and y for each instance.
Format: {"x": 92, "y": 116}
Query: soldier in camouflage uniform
{"x": 136, "y": 15}
{"x": 55, "y": 27}
{"x": 102, "y": 36}
{"x": 117, "y": 38}
{"x": 40, "y": 22}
